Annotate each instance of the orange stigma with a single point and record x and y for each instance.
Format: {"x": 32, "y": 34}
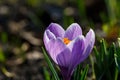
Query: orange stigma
{"x": 66, "y": 40}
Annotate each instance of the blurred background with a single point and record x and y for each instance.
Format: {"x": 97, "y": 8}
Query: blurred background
{"x": 22, "y": 23}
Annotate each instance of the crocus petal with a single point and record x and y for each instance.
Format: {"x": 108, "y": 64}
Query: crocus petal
{"x": 89, "y": 43}
{"x": 47, "y": 36}
{"x": 77, "y": 51}
{"x": 73, "y": 31}
{"x": 63, "y": 58}
{"x": 56, "y": 29}
{"x": 69, "y": 54}
{"x": 77, "y": 46}
{"x": 55, "y": 47}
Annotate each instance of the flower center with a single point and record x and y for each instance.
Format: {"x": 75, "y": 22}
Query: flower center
{"x": 66, "y": 40}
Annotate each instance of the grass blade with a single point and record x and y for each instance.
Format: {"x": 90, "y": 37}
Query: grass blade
{"x": 83, "y": 76}
{"x": 55, "y": 75}
{"x": 77, "y": 73}
{"x": 46, "y": 74}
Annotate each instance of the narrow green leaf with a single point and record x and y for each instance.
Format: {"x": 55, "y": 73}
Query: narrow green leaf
{"x": 103, "y": 51}
{"x": 104, "y": 65}
{"x": 46, "y": 74}
{"x": 77, "y": 73}
{"x": 96, "y": 54}
{"x": 92, "y": 64}
{"x": 98, "y": 58}
{"x": 83, "y": 76}
{"x": 116, "y": 74}
{"x": 111, "y": 52}
{"x": 117, "y": 57}
{"x": 50, "y": 65}
{"x": 104, "y": 47}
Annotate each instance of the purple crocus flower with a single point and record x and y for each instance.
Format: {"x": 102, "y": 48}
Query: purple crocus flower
{"x": 68, "y": 48}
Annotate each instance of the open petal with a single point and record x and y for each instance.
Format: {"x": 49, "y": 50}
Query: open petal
{"x": 47, "y": 37}
{"x": 56, "y": 29}
{"x": 90, "y": 37}
{"x": 55, "y": 47}
{"x": 89, "y": 43}
{"x": 63, "y": 58}
{"x": 77, "y": 51}
{"x": 73, "y": 31}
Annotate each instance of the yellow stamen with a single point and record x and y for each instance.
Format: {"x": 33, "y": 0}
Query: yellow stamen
{"x": 66, "y": 40}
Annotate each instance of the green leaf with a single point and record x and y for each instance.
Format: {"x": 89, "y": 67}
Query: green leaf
{"x": 55, "y": 75}
{"x": 84, "y": 74}
{"x": 80, "y": 73}
{"x": 96, "y": 54}
{"x": 104, "y": 65}
{"x": 103, "y": 51}
{"x": 77, "y": 73}
{"x": 117, "y": 57}
{"x": 46, "y": 74}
